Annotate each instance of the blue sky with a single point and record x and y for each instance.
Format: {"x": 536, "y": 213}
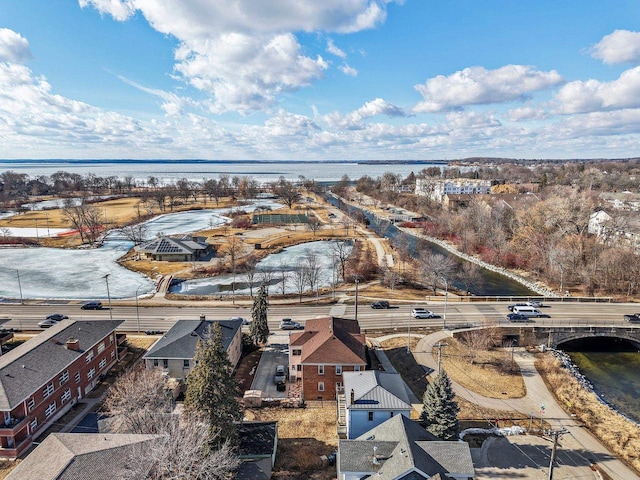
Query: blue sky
{"x": 302, "y": 79}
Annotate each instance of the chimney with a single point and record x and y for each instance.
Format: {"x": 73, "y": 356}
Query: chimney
{"x": 353, "y": 397}
{"x": 375, "y": 456}
{"x": 73, "y": 344}
{"x": 203, "y": 318}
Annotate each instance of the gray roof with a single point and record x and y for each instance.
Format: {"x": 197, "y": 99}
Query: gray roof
{"x": 404, "y": 445}
{"x": 173, "y": 246}
{"x": 30, "y": 366}
{"x": 376, "y": 390}
{"x": 181, "y": 340}
{"x": 80, "y": 456}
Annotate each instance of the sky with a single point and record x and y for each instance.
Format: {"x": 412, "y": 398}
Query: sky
{"x": 314, "y": 80}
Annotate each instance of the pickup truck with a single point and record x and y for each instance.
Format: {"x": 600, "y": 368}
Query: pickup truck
{"x": 280, "y": 377}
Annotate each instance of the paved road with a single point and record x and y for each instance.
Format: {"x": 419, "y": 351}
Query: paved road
{"x": 584, "y": 448}
{"x": 160, "y": 316}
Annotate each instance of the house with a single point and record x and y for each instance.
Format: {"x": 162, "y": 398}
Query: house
{"x": 258, "y": 443}
{"x": 320, "y": 354}
{"x": 621, "y": 229}
{"x": 186, "y": 248}
{"x": 437, "y": 188}
{"x": 42, "y": 378}
{"x": 401, "y": 448}
{"x": 455, "y": 201}
{"x": 71, "y": 456}
{"x": 371, "y": 398}
{"x": 174, "y": 352}
{"x": 625, "y": 200}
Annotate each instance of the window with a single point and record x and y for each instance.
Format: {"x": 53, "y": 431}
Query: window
{"x": 320, "y": 369}
{"x": 296, "y": 351}
{"x": 48, "y": 390}
{"x": 66, "y": 395}
{"x": 338, "y": 369}
{"x": 165, "y": 363}
{"x": 64, "y": 378}
{"x": 110, "y": 339}
{"x": 100, "y": 348}
{"x": 33, "y": 424}
{"x": 77, "y": 377}
{"x": 89, "y": 356}
{"x": 185, "y": 363}
{"x": 102, "y": 363}
{"x": 298, "y": 368}
{"x": 50, "y": 410}
{"x": 321, "y": 386}
{"x": 113, "y": 355}
{"x": 155, "y": 362}
{"x": 31, "y": 403}
{"x": 356, "y": 368}
{"x": 91, "y": 373}
{"x": 371, "y": 416}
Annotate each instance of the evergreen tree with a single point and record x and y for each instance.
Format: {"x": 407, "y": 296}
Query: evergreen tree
{"x": 440, "y": 410}
{"x": 259, "y": 329}
{"x": 212, "y": 390}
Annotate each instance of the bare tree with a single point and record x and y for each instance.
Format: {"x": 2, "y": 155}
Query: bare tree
{"x": 469, "y": 275}
{"x": 136, "y": 233}
{"x": 250, "y": 272}
{"x": 300, "y": 278}
{"x": 287, "y": 191}
{"x": 313, "y": 267}
{"x": 341, "y": 251}
{"x": 314, "y": 225}
{"x": 267, "y": 276}
{"x": 283, "y": 270}
{"x": 435, "y": 269}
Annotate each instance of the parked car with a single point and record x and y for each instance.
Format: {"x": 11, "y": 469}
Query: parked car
{"x": 92, "y": 306}
{"x": 281, "y": 375}
{"x": 57, "y": 317}
{"x": 47, "y": 323}
{"x": 632, "y": 317}
{"x": 422, "y": 313}
{"x": 380, "y": 304}
{"x": 244, "y": 320}
{"x": 517, "y": 317}
{"x": 511, "y": 307}
{"x": 288, "y": 324}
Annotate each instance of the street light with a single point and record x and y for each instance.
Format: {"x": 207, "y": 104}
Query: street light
{"x": 138, "y": 308}
{"x": 446, "y": 296}
{"x": 409, "y": 334}
{"x": 356, "y": 299}
{"x": 20, "y": 287}
{"x": 106, "y": 279}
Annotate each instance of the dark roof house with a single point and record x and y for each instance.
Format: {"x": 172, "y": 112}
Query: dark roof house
{"x": 185, "y": 248}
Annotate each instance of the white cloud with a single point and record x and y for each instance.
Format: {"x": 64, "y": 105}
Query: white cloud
{"x": 13, "y": 47}
{"x": 479, "y": 86}
{"x": 593, "y": 95}
{"x": 621, "y": 46}
{"x": 526, "y": 113}
{"x": 242, "y": 52}
{"x": 348, "y": 70}
{"x": 354, "y": 119}
{"x": 331, "y": 48}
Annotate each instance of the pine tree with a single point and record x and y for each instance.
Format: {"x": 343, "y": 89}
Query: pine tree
{"x": 212, "y": 390}
{"x": 440, "y": 410}
{"x": 259, "y": 329}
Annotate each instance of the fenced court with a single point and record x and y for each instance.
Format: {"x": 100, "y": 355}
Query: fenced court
{"x": 279, "y": 218}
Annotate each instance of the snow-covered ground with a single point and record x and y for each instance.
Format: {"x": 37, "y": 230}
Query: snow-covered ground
{"x": 40, "y": 232}
{"x": 49, "y": 273}
{"x": 288, "y": 259}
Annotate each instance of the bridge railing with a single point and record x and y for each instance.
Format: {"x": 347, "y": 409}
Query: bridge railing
{"x": 515, "y": 299}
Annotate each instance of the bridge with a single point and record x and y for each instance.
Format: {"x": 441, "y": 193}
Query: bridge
{"x": 555, "y": 336}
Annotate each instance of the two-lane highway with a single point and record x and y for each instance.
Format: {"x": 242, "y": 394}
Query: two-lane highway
{"x": 143, "y": 318}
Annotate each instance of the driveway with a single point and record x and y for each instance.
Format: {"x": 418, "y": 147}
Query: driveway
{"x": 276, "y": 353}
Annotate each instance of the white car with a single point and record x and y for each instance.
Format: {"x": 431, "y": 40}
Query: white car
{"x": 47, "y": 323}
{"x": 422, "y": 313}
{"x": 534, "y": 304}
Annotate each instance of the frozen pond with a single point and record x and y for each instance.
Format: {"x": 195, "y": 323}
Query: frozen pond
{"x": 50, "y": 273}
{"x": 59, "y": 202}
{"x": 291, "y": 261}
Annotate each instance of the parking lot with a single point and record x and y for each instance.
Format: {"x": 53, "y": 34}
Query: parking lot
{"x": 276, "y": 353}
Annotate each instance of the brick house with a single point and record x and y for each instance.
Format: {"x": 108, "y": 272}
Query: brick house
{"x": 175, "y": 350}
{"x": 326, "y": 348}
{"x": 42, "y": 378}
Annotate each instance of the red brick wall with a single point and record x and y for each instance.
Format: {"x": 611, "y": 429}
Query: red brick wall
{"x": 79, "y": 365}
{"x": 311, "y": 378}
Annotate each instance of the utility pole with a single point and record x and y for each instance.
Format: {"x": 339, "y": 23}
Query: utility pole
{"x": 440, "y": 346}
{"x": 356, "y": 315}
{"x": 556, "y": 434}
{"x": 106, "y": 279}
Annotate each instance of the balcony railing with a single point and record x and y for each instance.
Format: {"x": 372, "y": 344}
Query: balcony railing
{"x": 14, "y": 425}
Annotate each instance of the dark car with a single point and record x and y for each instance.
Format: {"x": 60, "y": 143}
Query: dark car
{"x": 517, "y": 317}
{"x": 281, "y": 375}
{"x": 57, "y": 317}
{"x": 92, "y": 306}
{"x": 380, "y": 304}
{"x": 632, "y": 317}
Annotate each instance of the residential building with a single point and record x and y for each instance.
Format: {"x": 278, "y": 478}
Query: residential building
{"x": 320, "y": 354}
{"x": 174, "y": 352}
{"x": 401, "y": 448}
{"x": 73, "y": 456}
{"x": 370, "y": 398}
{"x": 42, "y": 378}
{"x": 623, "y": 229}
{"x": 437, "y": 188}
{"x": 186, "y": 248}
{"x": 621, "y": 200}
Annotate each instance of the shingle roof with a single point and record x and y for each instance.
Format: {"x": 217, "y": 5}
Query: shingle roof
{"x": 331, "y": 340}
{"x": 414, "y": 447}
{"x": 31, "y": 365}
{"x": 373, "y": 389}
{"x": 181, "y": 340}
{"x": 257, "y": 438}
{"x": 80, "y": 456}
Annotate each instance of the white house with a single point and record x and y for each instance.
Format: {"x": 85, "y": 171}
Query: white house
{"x": 370, "y": 398}
{"x": 437, "y": 188}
